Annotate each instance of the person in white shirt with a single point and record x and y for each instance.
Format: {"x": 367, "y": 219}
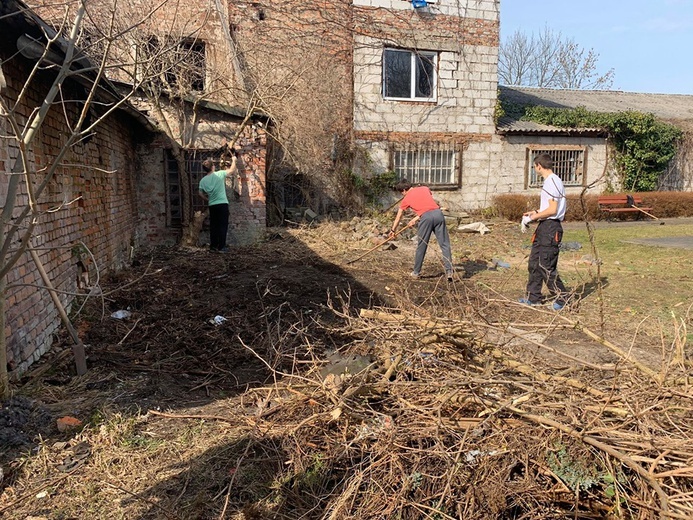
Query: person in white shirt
{"x": 543, "y": 258}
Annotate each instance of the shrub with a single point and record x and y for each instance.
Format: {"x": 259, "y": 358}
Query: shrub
{"x": 664, "y": 204}
{"x": 669, "y": 204}
{"x": 512, "y": 206}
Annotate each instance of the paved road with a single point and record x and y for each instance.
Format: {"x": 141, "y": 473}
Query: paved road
{"x": 680, "y": 242}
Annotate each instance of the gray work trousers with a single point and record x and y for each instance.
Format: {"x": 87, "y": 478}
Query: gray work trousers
{"x": 433, "y": 222}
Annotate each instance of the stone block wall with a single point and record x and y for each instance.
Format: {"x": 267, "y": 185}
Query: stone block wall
{"x": 89, "y": 205}
{"x": 513, "y": 159}
{"x": 465, "y": 36}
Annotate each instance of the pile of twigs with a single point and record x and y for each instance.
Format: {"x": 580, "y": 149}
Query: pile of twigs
{"x": 447, "y": 421}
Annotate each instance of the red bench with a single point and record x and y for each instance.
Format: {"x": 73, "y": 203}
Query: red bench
{"x": 623, "y": 204}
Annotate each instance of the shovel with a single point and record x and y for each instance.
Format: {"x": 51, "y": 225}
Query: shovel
{"x": 631, "y": 203}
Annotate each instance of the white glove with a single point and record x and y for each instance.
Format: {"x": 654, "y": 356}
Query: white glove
{"x": 524, "y": 226}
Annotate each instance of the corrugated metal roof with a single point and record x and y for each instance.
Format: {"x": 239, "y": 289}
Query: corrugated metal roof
{"x": 507, "y": 125}
{"x": 675, "y": 108}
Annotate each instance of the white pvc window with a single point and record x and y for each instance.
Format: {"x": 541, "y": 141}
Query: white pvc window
{"x": 409, "y": 75}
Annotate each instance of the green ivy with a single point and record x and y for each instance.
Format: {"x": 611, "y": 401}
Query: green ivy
{"x": 374, "y": 187}
{"x": 644, "y": 145}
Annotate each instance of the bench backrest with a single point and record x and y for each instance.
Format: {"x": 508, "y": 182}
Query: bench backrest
{"x": 618, "y": 199}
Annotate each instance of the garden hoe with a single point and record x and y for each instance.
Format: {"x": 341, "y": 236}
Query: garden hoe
{"x": 383, "y": 242}
{"x": 631, "y": 203}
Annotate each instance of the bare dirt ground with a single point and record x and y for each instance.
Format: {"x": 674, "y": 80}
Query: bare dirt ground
{"x": 187, "y": 412}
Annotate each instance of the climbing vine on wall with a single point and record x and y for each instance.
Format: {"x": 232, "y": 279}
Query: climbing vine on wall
{"x": 644, "y": 145}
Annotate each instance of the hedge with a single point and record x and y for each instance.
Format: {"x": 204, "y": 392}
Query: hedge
{"x": 664, "y": 204}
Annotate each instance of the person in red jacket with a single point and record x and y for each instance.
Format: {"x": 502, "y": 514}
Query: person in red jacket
{"x": 430, "y": 220}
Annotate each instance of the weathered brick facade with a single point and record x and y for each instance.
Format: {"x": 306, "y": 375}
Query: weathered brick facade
{"x": 90, "y": 204}
{"x": 247, "y": 197}
{"x": 203, "y": 123}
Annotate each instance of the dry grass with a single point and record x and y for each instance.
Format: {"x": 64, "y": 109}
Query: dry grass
{"x": 471, "y": 406}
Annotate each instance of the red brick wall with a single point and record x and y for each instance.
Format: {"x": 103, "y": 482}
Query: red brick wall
{"x": 429, "y": 31}
{"x": 101, "y": 174}
{"x": 247, "y": 214}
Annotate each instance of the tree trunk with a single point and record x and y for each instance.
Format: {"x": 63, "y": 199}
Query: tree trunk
{"x": 187, "y": 222}
{"x": 77, "y": 345}
{"x": 191, "y": 233}
{"x": 4, "y": 377}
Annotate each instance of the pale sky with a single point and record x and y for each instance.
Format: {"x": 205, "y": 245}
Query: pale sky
{"x": 648, "y": 43}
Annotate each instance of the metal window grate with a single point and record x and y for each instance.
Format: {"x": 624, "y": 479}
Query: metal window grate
{"x": 193, "y": 165}
{"x": 568, "y": 164}
{"x": 433, "y": 165}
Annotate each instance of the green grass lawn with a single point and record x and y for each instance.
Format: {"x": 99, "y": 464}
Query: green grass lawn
{"x": 641, "y": 279}
{"x": 643, "y": 287}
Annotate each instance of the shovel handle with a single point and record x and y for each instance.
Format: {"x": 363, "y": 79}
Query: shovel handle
{"x": 381, "y": 244}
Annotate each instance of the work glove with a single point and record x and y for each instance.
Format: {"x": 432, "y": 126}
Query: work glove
{"x": 524, "y": 225}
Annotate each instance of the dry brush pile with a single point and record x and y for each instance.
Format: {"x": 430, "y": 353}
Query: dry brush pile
{"x": 463, "y": 417}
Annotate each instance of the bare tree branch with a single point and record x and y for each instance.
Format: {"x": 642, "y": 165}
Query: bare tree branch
{"x": 549, "y": 60}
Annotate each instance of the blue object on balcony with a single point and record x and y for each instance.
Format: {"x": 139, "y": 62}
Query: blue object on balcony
{"x": 419, "y": 3}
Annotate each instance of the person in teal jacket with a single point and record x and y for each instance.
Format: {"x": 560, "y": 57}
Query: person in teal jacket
{"x": 213, "y": 190}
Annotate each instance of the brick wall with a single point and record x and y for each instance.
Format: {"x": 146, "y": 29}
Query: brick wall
{"x": 213, "y": 130}
{"x": 299, "y": 57}
{"x": 99, "y": 177}
{"x": 138, "y": 20}
{"x": 206, "y": 129}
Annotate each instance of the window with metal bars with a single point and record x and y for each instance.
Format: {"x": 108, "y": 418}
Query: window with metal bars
{"x": 432, "y": 165}
{"x": 193, "y": 165}
{"x": 568, "y": 164}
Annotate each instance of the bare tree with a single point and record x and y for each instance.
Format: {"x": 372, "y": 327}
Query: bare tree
{"x": 516, "y": 59}
{"x": 549, "y": 60}
{"x": 77, "y": 95}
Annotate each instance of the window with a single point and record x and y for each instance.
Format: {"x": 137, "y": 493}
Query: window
{"x": 409, "y": 74}
{"x": 568, "y": 164}
{"x": 193, "y": 164}
{"x": 174, "y": 66}
{"x": 433, "y": 165}
{"x": 188, "y": 68}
